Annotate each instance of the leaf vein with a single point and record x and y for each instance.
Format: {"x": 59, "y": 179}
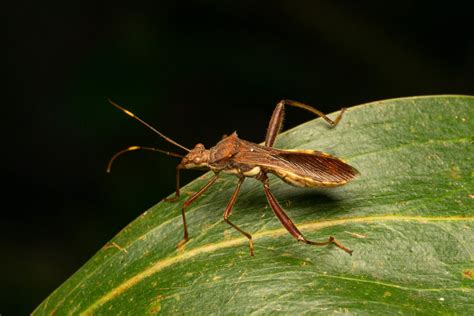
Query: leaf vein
{"x": 169, "y": 261}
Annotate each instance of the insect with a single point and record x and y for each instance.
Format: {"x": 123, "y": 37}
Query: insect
{"x": 244, "y": 159}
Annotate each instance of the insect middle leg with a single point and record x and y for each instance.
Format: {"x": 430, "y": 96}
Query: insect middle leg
{"x": 228, "y": 211}
{"x": 288, "y": 224}
{"x": 276, "y": 122}
{"x": 187, "y": 203}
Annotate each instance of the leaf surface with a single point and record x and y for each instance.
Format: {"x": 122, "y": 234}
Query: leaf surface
{"x": 408, "y": 217}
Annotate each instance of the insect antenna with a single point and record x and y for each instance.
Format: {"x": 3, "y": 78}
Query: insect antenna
{"x": 147, "y": 125}
{"x": 132, "y": 148}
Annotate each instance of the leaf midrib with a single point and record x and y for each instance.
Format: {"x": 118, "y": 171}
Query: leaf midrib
{"x": 190, "y": 253}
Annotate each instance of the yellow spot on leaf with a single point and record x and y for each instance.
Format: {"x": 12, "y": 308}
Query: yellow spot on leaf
{"x": 454, "y": 172}
{"x": 468, "y": 274}
{"x": 114, "y": 245}
{"x": 155, "y": 306}
{"x": 356, "y": 235}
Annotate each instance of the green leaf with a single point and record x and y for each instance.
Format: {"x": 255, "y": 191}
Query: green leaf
{"x": 408, "y": 217}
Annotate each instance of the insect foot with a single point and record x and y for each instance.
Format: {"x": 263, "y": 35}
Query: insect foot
{"x": 171, "y": 199}
{"x": 331, "y": 240}
{"x": 182, "y": 243}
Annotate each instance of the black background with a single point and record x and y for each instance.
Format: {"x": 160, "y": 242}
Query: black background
{"x": 195, "y": 70}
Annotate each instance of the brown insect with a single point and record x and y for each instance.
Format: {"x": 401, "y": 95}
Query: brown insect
{"x": 244, "y": 159}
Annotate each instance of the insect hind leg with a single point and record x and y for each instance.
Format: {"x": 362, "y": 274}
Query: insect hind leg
{"x": 276, "y": 122}
{"x": 291, "y": 227}
{"x": 331, "y": 240}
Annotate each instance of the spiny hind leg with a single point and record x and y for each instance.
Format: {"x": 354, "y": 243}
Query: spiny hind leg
{"x": 290, "y": 226}
{"x": 276, "y": 122}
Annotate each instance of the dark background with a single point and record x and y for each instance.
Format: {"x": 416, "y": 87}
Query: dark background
{"x": 195, "y": 70}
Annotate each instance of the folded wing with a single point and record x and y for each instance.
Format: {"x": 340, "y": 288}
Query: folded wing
{"x": 306, "y": 168}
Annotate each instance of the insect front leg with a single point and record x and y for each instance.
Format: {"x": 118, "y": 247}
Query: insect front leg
{"x": 176, "y": 196}
{"x": 276, "y": 122}
{"x": 228, "y": 211}
{"x": 288, "y": 224}
{"x": 187, "y": 203}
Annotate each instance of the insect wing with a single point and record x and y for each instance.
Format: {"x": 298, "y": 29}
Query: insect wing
{"x": 301, "y": 167}
{"x": 317, "y": 165}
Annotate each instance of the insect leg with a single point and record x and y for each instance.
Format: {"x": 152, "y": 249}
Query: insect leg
{"x": 176, "y": 196}
{"x": 188, "y": 202}
{"x": 228, "y": 211}
{"x": 288, "y": 224}
{"x": 276, "y": 122}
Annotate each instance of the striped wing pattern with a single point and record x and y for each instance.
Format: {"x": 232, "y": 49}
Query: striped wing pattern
{"x": 316, "y": 165}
